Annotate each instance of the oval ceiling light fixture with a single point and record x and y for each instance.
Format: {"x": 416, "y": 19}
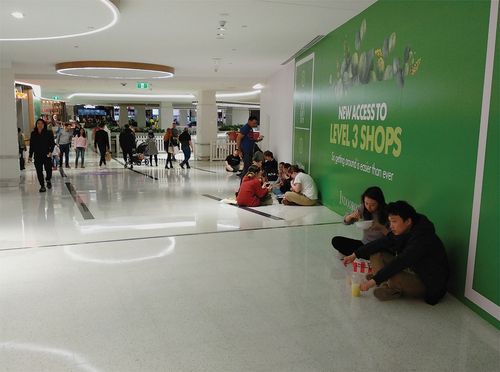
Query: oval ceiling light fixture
{"x": 18, "y": 15}
{"x": 118, "y": 95}
{"x": 114, "y": 70}
{"x": 229, "y": 95}
{"x": 258, "y": 86}
{"x": 40, "y": 10}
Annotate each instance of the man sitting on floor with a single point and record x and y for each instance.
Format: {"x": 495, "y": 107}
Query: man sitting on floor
{"x": 410, "y": 259}
{"x": 233, "y": 162}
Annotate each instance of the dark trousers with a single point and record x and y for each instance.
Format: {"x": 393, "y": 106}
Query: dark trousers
{"x": 187, "y": 154}
{"x": 247, "y": 162}
{"x": 41, "y": 163}
{"x": 64, "y": 152}
{"x": 21, "y": 158}
{"x": 127, "y": 153}
{"x": 170, "y": 156}
{"x": 346, "y": 246}
{"x": 102, "y": 151}
{"x": 151, "y": 159}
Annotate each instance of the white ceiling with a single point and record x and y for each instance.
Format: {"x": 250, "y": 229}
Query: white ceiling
{"x": 261, "y": 35}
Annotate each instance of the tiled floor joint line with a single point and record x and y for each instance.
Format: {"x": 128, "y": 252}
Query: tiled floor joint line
{"x": 164, "y": 236}
{"x": 84, "y": 210}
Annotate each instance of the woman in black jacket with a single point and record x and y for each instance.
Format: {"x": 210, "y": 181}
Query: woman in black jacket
{"x": 42, "y": 144}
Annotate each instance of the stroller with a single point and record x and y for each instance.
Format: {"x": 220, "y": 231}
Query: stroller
{"x": 140, "y": 154}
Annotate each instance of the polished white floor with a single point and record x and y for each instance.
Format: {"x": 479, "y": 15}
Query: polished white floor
{"x": 146, "y": 270}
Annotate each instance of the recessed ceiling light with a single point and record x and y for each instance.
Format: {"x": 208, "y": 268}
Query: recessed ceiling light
{"x": 18, "y": 15}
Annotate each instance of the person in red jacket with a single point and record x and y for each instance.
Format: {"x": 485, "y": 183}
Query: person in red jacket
{"x": 252, "y": 193}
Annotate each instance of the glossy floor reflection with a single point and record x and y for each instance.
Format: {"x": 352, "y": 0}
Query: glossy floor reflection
{"x": 145, "y": 270}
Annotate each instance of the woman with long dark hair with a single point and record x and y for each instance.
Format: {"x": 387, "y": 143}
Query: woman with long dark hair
{"x": 80, "y": 145}
{"x": 169, "y": 144}
{"x": 373, "y": 207}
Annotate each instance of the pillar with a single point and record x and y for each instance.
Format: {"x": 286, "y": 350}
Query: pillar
{"x": 140, "y": 116}
{"x": 183, "y": 121}
{"x": 123, "y": 115}
{"x": 206, "y": 124}
{"x": 70, "y": 112}
{"x": 237, "y": 115}
{"x": 166, "y": 115}
{"x": 9, "y": 158}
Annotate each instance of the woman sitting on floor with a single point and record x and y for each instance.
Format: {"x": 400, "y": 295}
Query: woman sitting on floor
{"x": 252, "y": 193}
{"x": 372, "y": 207}
{"x": 303, "y": 191}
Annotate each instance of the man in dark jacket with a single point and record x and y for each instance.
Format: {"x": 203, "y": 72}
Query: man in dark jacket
{"x": 101, "y": 142}
{"x": 127, "y": 143}
{"x": 411, "y": 259}
{"x": 42, "y": 144}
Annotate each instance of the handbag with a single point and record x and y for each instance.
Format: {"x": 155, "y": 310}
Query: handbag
{"x": 170, "y": 149}
{"x": 108, "y": 156}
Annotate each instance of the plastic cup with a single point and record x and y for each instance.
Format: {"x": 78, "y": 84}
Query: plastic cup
{"x": 355, "y": 291}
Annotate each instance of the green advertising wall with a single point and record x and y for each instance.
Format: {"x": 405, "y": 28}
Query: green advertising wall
{"x": 393, "y": 98}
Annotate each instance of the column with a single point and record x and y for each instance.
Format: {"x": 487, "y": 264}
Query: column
{"x": 166, "y": 115}
{"x": 140, "y": 116}
{"x": 9, "y": 158}
{"x": 240, "y": 115}
{"x": 70, "y": 112}
{"x": 123, "y": 115}
{"x": 183, "y": 114}
{"x": 206, "y": 124}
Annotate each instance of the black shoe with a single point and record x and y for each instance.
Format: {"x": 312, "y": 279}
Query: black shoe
{"x": 42, "y": 189}
{"x": 49, "y": 185}
{"x": 188, "y": 166}
{"x": 166, "y": 166}
{"x": 182, "y": 165}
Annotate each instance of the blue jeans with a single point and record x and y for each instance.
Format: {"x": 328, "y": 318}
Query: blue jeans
{"x": 187, "y": 154}
{"x": 277, "y": 192}
{"x": 54, "y": 160}
{"x": 64, "y": 152}
{"x": 80, "y": 151}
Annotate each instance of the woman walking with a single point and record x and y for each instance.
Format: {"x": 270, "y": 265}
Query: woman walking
{"x": 80, "y": 145}
{"x": 169, "y": 143}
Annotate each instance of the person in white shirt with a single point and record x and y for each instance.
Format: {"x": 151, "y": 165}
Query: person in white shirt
{"x": 303, "y": 189}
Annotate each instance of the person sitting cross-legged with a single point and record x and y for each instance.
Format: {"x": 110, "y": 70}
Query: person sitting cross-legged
{"x": 233, "y": 162}
{"x": 409, "y": 260}
{"x": 303, "y": 189}
{"x": 252, "y": 193}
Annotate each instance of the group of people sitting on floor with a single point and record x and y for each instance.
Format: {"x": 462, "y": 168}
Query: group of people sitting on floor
{"x": 266, "y": 177}
{"x": 406, "y": 255}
